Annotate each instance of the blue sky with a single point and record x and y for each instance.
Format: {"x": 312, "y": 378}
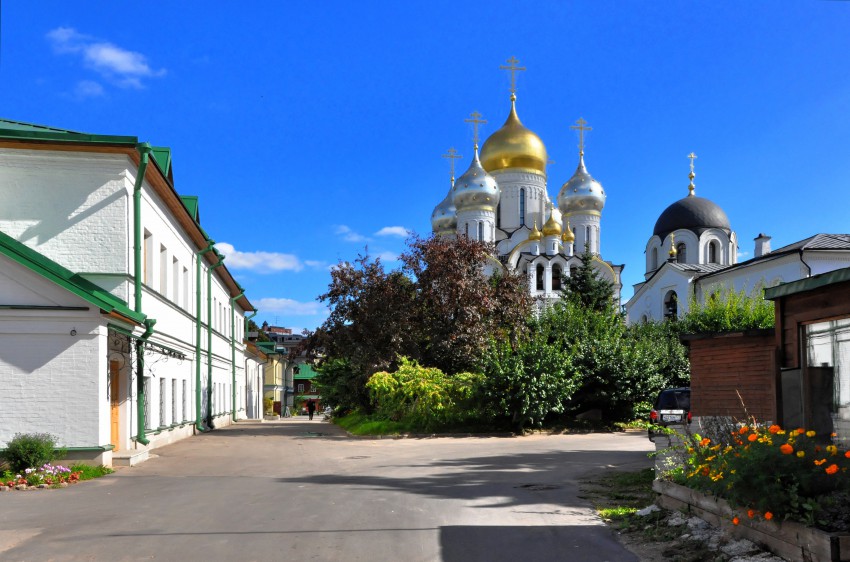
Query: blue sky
{"x": 312, "y": 130}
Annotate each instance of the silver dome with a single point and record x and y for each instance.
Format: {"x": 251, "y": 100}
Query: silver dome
{"x": 444, "y": 217}
{"x": 475, "y": 189}
{"x": 581, "y": 193}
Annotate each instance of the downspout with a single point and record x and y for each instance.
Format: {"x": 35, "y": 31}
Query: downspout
{"x": 209, "y": 338}
{"x": 144, "y": 150}
{"x": 804, "y": 263}
{"x": 233, "y": 354}
{"x": 198, "y": 425}
{"x": 245, "y": 336}
{"x": 141, "y": 397}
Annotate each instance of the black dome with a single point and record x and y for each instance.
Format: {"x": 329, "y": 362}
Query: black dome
{"x": 691, "y": 213}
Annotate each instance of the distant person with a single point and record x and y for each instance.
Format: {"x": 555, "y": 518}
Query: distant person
{"x": 311, "y": 408}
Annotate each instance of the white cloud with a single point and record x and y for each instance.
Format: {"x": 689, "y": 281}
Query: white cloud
{"x": 742, "y": 255}
{"x": 122, "y": 67}
{"x": 316, "y": 264}
{"x": 399, "y": 231}
{"x": 261, "y": 262}
{"x": 349, "y": 235}
{"x": 88, "y": 89}
{"x": 290, "y": 306}
{"x": 388, "y": 256}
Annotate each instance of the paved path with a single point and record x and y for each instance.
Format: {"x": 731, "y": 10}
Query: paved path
{"x": 301, "y": 490}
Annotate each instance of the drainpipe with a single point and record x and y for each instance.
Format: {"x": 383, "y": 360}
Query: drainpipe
{"x": 209, "y": 338}
{"x": 144, "y": 150}
{"x": 804, "y": 263}
{"x": 141, "y": 398}
{"x": 247, "y": 318}
{"x": 209, "y": 248}
{"x": 233, "y": 354}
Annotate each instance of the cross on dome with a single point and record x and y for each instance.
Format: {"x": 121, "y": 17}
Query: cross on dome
{"x": 692, "y": 175}
{"x": 476, "y": 122}
{"x": 513, "y": 69}
{"x": 580, "y": 126}
{"x": 452, "y": 155}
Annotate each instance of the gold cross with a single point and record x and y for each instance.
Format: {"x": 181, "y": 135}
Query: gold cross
{"x": 476, "y": 121}
{"x": 452, "y": 155}
{"x": 513, "y": 68}
{"x": 692, "y": 175}
{"x": 580, "y": 126}
{"x": 693, "y": 157}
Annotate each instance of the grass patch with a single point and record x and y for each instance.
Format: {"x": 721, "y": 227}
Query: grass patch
{"x": 361, "y": 424}
{"x": 618, "y": 495}
{"x": 90, "y": 472}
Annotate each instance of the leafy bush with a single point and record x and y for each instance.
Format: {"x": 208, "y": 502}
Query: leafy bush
{"x": 268, "y": 406}
{"x": 725, "y": 310}
{"x": 30, "y": 450}
{"x": 770, "y": 471}
{"x": 425, "y": 397}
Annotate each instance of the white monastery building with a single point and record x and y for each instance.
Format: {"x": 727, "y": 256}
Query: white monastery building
{"x": 503, "y": 199}
{"x": 121, "y": 329}
{"x": 693, "y": 252}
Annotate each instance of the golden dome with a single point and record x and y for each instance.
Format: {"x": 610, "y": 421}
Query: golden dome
{"x": 513, "y": 146}
{"x": 568, "y": 235}
{"x": 552, "y": 227}
{"x": 534, "y": 234}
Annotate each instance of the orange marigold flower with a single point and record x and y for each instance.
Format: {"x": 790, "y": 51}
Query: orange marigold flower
{"x": 774, "y": 428}
{"x": 751, "y": 513}
{"x": 832, "y": 469}
{"x": 820, "y": 462}
{"x": 832, "y": 450}
{"x": 801, "y": 454}
{"x": 768, "y": 515}
{"x": 735, "y": 520}
{"x": 800, "y": 431}
{"x": 752, "y": 437}
{"x": 847, "y": 454}
{"x": 705, "y": 442}
{"x": 810, "y": 434}
{"x": 786, "y": 449}
{"x": 743, "y": 430}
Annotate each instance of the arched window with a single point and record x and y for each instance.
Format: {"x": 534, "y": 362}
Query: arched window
{"x": 556, "y": 277}
{"x": 522, "y": 207}
{"x": 654, "y": 259}
{"x": 671, "y": 306}
{"x": 499, "y": 215}
{"x": 481, "y": 232}
{"x": 681, "y": 254}
{"x": 539, "y": 281}
{"x": 467, "y": 230}
{"x": 713, "y": 252}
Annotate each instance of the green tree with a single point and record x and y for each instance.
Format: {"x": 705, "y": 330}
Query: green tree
{"x": 585, "y": 285}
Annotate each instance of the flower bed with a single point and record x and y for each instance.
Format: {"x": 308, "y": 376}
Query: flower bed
{"x": 45, "y": 476}
{"x": 791, "y": 540}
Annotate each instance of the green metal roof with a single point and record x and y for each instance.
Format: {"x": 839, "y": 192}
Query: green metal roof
{"x": 305, "y": 371}
{"x": 267, "y": 347}
{"x": 66, "y": 279}
{"x": 29, "y": 131}
{"x": 808, "y": 284}
{"x": 191, "y": 203}
{"x": 162, "y": 157}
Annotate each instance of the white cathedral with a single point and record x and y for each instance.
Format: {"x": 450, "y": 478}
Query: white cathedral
{"x": 503, "y": 199}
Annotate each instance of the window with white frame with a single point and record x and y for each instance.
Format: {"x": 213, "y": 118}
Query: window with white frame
{"x": 147, "y": 275}
{"x": 174, "y": 417}
{"x": 184, "y": 395}
{"x": 163, "y": 271}
{"x": 147, "y": 398}
{"x": 162, "y": 420}
{"x": 175, "y": 281}
{"x": 185, "y": 288}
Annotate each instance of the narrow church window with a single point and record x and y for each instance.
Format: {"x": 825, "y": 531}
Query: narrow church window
{"x": 522, "y": 207}
{"x": 681, "y": 254}
{"x": 499, "y": 215}
{"x": 654, "y": 264}
{"x": 556, "y": 277}
{"x": 539, "y": 282}
{"x": 671, "y": 306}
{"x": 712, "y": 251}
{"x": 481, "y": 232}
{"x": 467, "y": 230}
{"x": 587, "y": 246}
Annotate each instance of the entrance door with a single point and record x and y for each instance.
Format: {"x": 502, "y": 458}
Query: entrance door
{"x": 114, "y": 410}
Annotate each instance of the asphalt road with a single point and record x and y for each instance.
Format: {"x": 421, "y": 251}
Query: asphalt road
{"x": 300, "y": 490}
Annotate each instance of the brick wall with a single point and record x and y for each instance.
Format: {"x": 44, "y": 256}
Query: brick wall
{"x": 724, "y": 366}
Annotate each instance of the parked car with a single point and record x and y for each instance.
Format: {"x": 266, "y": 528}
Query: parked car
{"x": 672, "y": 407}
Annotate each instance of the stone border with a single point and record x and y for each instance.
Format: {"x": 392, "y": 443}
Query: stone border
{"x": 788, "y": 539}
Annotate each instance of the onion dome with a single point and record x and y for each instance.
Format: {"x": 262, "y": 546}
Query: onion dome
{"x": 475, "y": 189}
{"x": 513, "y": 146}
{"x": 693, "y": 213}
{"x": 581, "y": 193}
{"x": 568, "y": 235}
{"x": 552, "y": 227}
{"x": 535, "y": 234}
{"x": 444, "y": 217}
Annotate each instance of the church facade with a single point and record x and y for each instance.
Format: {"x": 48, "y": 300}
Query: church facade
{"x": 693, "y": 251}
{"x": 503, "y": 199}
